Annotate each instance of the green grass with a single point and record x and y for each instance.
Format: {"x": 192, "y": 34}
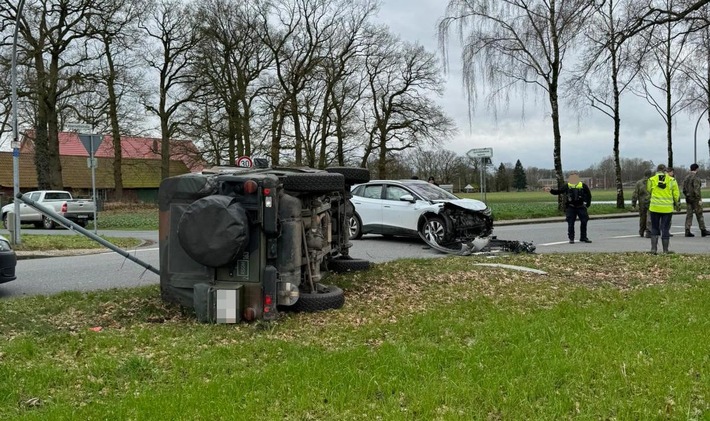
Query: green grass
{"x": 32, "y": 242}
{"x": 622, "y": 336}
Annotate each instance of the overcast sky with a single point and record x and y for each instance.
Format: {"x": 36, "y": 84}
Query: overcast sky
{"x": 586, "y": 140}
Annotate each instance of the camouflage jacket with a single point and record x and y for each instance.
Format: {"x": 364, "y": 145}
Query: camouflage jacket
{"x": 691, "y": 187}
{"x": 640, "y": 194}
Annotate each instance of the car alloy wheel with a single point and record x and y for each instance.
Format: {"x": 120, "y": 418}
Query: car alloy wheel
{"x": 434, "y": 229}
{"x": 355, "y": 228}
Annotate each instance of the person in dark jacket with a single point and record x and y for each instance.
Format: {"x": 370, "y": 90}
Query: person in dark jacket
{"x": 578, "y": 199}
{"x": 641, "y": 196}
{"x": 694, "y": 202}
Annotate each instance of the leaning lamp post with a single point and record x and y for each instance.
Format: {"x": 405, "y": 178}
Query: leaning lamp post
{"x": 15, "y": 135}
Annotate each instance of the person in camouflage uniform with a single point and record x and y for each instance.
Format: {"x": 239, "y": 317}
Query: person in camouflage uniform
{"x": 694, "y": 202}
{"x": 643, "y": 199}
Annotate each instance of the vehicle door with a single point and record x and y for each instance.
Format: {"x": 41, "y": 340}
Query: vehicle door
{"x": 399, "y": 217}
{"x": 367, "y": 200}
{"x": 28, "y": 213}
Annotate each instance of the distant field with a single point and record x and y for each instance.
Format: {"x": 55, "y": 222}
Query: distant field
{"x": 539, "y": 196}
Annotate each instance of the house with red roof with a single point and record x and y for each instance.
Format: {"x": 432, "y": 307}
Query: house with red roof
{"x": 141, "y": 165}
{"x": 131, "y": 148}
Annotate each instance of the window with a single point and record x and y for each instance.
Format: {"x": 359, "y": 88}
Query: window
{"x": 57, "y": 196}
{"x": 373, "y": 192}
{"x": 396, "y": 192}
{"x": 35, "y": 196}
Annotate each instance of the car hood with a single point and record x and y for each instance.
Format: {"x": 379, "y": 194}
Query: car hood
{"x": 470, "y": 204}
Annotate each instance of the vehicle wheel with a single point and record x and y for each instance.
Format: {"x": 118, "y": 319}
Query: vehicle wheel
{"x": 342, "y": 265}
{"x": 81, "y": 223}
{"x": 4, "y": 221}
{"x": 352, "y": 175}
{"x": 434, "y": 229}
{"x": 326, "y": 297}
{"x": 322, "y": 182}
{"x": 48, "y": 223}
{"x": 355, "y": 226}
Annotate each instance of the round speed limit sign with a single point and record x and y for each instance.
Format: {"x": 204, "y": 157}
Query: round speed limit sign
{"x": 244, "y": 161}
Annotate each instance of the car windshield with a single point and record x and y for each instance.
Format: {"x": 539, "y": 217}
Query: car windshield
{"x": 430, "y": 191}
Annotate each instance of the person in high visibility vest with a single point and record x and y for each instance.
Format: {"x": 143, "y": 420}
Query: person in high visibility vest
{"x": 579, "y": 198}
{"x": 665, "y": 197}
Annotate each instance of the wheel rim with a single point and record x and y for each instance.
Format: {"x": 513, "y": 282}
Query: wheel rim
{"x": 47, "y": 223}
{"x": 434, "y": 231}
{"x": 354, "y": 226}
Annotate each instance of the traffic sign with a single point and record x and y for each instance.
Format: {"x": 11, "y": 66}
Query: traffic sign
{"x": 91, "y": 142}
{"x": 79, "y": 127}
{"x": 480, "y": 153}
{"x": 244, "y": 161}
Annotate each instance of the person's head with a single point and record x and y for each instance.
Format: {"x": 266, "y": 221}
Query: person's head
{"x": 414, "y": 177}
{"x": 573, "y": 177}
{"x": 647, "y": 173}
{"x": 661, "y": 168}
{"x": 694, "y": 167}
{"x": 670, "y": 171}
{"x": 431, "y": 179}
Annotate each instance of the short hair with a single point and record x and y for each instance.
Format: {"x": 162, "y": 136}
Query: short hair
{"x": 573, "y": 172}
{"x": 669, "y": 169}
{"x": 693, "y": 167}
{"x": 661, "y": 167}
{"x": 431, "y": 178}
{"x": 647, "y": 173}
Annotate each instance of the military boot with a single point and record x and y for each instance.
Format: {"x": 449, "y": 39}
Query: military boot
{"x": 665, "y": 242}
{"x": 704, "y": 233}
{"x": 689, "y": 234}
{"x": 654, "y": 244}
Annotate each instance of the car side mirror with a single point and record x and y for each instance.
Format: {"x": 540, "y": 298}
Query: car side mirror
{"x": 407, "y": 198}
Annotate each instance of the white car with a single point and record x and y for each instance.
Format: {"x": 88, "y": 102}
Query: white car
{"x": 416, "y": 208}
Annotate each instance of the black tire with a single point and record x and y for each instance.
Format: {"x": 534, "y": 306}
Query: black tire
{"x": 353, "y": 175}
{"x": 355, "y": 227}
{"x": 330, "y": 298}
{"x": 81, "y": 223}
{"x": 434, "y": 229}
{"x": 321, "y": 182}
{"x": 48, "y": 223}
{"x": 348, "y": 265}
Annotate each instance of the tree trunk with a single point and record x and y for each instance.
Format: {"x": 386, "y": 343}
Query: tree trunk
{"x": 557, "y": 153}
{"x": 115, "y": 130}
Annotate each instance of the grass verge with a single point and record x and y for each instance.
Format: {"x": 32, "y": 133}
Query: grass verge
{"x": 32, "y": 242}
{"x": 620, "y": 336}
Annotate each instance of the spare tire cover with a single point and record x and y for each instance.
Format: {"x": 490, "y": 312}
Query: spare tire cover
{"x": 214, "y": 230}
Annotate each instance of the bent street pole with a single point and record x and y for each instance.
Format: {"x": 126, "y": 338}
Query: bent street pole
{"x": 16, "y": 239}
{"x": 67, "y": 223}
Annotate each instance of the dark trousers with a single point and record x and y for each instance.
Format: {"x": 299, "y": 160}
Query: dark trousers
{"x": 661, "y": 224}
{"x": 572, "y": 213}
{"x": 694, "y": 208}
{"x": 644, "y": 224}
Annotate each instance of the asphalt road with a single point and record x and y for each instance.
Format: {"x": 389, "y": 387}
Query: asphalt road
{"x": 110, "y": 270}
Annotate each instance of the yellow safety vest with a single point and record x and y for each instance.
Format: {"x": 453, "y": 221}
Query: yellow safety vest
{"x": 662, "y": 198}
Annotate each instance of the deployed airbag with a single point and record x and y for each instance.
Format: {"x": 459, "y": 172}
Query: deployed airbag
{"x": 214, "y": 230}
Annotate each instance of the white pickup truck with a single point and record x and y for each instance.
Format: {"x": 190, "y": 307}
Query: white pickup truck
{"x": 79, "y": 211}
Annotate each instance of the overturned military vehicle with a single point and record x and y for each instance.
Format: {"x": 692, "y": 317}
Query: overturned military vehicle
{"x": 245, "y": 243}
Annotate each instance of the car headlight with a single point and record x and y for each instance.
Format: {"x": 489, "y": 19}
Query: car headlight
{"x": 487, "y": 211}
{"x": 5, "y": 245}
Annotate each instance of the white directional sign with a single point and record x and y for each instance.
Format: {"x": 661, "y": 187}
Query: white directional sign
{"x": 480, "y": 153}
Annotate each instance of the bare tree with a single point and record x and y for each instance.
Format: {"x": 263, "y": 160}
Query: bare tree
{"x": 116, "y": 34}
{"x": 170, "y": 26}
{"x": 231, "y": 58}
{"x": 400, "y": 114}
{"x": 696, "y": 70}
{"x": 52, "y": 36}
{"x": 609, "y": 65}
{"x": 513, "y": 43}
{"x": 661, "y": 73}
